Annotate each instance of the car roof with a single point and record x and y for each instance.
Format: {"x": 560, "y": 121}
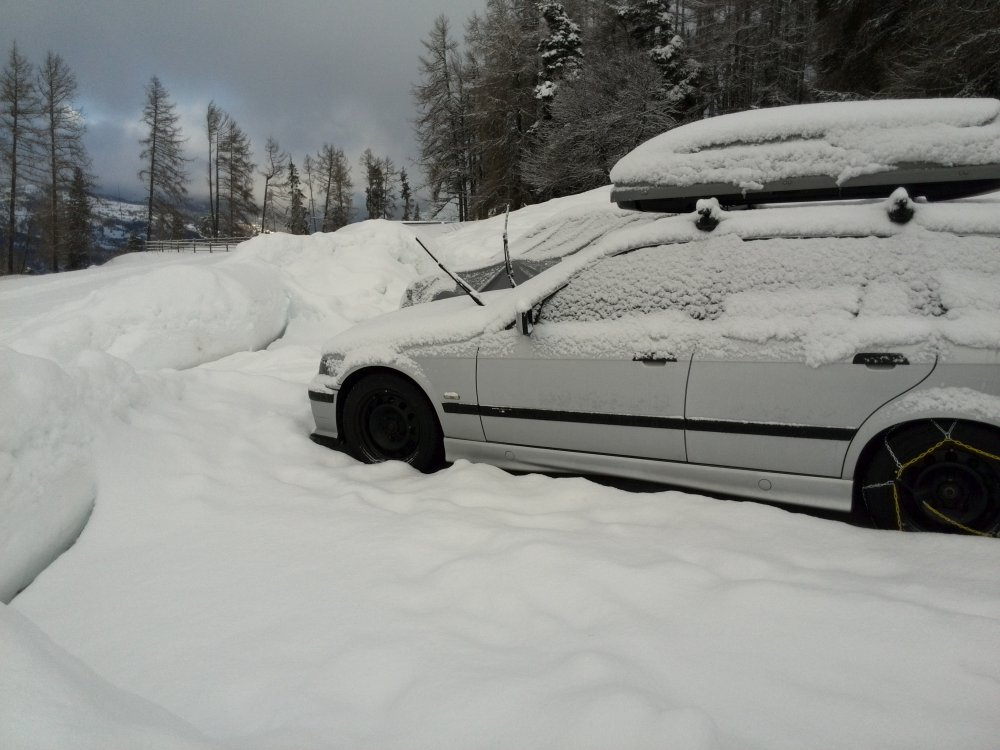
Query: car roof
{"x": 938, "y": 149}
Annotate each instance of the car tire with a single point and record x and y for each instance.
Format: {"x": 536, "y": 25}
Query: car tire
{"x": 935, "y": 476}
{"x": 388, "y": 418}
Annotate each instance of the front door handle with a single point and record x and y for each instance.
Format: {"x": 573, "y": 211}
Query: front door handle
{"x": 650, "y": 358}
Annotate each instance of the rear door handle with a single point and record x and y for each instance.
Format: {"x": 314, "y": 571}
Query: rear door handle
{"x": 880, "y": 360}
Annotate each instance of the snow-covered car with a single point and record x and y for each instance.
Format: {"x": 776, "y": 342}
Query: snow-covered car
{"x": 822, "y": 354}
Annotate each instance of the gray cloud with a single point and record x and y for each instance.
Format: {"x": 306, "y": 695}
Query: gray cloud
{"x": 305, "y": 71}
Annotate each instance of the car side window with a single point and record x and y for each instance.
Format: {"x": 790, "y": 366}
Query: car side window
{"x": 630, "y": 285}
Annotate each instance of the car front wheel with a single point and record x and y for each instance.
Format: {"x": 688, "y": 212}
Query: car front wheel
{"x": 935, "y": 476}
{"x": 388, "y": 418}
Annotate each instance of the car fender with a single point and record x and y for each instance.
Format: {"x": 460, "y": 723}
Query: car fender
{"x": 927, "y": 401}
{"x": 443, "y": 380}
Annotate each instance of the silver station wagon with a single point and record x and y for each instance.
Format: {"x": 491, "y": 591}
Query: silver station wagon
{"x": 813, "y": 350}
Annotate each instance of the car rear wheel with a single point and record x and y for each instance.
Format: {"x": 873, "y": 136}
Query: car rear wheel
{"x": 388, "y": 418}
{"x": 935, "y": 476}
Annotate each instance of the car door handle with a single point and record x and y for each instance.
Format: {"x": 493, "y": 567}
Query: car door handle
{"x": 648, "y": 358}
{"x": 880, "y": 360}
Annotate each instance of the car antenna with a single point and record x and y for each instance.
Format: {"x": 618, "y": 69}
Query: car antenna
{"x": 457, "y": 279}
{"x": 506, "y": 252}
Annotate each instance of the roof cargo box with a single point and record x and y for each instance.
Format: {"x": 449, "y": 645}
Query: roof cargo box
{"x": 936, "y": 148}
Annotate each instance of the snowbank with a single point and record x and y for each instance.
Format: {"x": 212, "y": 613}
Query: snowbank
{"x": 49, "y": 699}
{"x": 72, "y": 344}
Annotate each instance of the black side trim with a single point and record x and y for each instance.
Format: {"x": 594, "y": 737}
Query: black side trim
{"x": 577, "y": 417}
{"x": 452, "y": 408}
{"x": 326, "y": 398}
{"x": 770, "y": 430}
{"x": 665, "y": 423}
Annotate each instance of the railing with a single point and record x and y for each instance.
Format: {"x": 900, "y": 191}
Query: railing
{"x": 193, "y": 246}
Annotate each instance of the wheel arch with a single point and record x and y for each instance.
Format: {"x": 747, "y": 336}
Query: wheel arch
{"x": 893, "y": 416}
{"x": 359, "y": 374}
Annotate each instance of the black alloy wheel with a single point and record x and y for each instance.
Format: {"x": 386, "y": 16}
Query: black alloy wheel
{"x": 935, "y": 476}
{"x": 388, "y": 418}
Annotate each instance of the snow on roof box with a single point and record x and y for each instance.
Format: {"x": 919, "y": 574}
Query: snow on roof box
{"x": 936, "y": 148}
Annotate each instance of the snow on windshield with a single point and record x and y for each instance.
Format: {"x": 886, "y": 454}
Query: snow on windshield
{"x": 842, "y": 140}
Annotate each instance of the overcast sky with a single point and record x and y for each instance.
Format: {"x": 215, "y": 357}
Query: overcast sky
{"x": 306, "y": 71}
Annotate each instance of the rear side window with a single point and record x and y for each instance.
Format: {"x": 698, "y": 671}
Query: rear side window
{"x": 721, "y": 277}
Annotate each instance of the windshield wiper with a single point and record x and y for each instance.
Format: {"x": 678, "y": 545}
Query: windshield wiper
{"x": 457, "y": 279}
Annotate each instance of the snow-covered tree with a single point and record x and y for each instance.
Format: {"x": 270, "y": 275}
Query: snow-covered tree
{"x": 561, "y": 52}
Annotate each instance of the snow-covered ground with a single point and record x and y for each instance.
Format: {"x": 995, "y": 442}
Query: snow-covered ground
{"x": 237, "y": 586}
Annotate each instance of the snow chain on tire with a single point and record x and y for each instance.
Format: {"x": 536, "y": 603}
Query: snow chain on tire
{"x": 902, "y": 467}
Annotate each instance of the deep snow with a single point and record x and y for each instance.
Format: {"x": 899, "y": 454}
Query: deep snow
{"x": 239, "y": 586}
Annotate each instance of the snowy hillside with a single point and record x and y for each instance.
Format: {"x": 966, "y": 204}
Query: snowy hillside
{"x": 237, "y": 586}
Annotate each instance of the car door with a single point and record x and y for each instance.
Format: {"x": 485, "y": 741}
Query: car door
{"x": 585, "y": 380}
{"x": 782, "y": 414}
{"x": 622, "y": 402}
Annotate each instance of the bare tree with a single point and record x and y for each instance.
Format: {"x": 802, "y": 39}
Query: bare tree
{"x": 19, "y": 107}
{"x": 63, "y": 129}
{"x": 214, "y": 121}
{"x": 334, "y": 173}
{"x": 275, "y": 165}
{"x": 165, "y": 163}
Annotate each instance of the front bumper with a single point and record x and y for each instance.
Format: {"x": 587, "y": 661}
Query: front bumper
{"x": 324, "y": 409}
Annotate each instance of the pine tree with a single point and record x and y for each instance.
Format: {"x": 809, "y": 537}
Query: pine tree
{"x": 309, "y": 168}
{"x": 372, "y": 167}
{"x": 405, "y": 195}
{"x": 78, "y": 221}
{"x": 62, "y": 143}
{"x": 503, "y": 46}
{"x": 19, "y": 107}
{"x": 236, "y": 181}
{"x": 165, "y": 163}
{"x": 380, "y": 177}
{"x": 297, "y": 223}
{"x": 443, "y": 127}
{"x": 275, "y": 163}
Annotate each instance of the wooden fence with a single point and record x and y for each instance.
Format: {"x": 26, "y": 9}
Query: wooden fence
{"x": 215, "y": 244}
